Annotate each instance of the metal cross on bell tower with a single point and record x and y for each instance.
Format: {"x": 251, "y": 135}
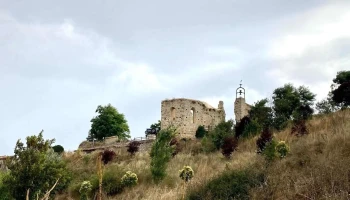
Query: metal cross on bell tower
{"x": 240, "y": 90}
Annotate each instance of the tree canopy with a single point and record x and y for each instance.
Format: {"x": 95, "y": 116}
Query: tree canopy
{"x": 287, "y": 100}
{"x": 108, "y": 123}
{"x": 36, "y": 167}
{"x": 341, "y": 89}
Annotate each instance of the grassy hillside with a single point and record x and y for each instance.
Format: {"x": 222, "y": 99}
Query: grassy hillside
{"x": 317, "y": 167}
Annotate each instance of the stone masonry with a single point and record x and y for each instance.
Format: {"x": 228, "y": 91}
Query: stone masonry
{"x": 187, "y": 114}
{"x": 241, "y": 108}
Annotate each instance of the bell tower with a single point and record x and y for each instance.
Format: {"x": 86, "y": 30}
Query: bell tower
{"x": 241, "y": 108}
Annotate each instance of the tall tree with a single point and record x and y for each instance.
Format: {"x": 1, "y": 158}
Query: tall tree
{"x": 156, "y": 125}
{"x": 109, "y": 123}
{"x": 340, "y": 93}
{"x": 36, "y": 167}
{"x": 287, "y": 100}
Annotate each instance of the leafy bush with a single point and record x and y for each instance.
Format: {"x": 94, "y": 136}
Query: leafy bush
{"x": 108, "y": 156}
{"x": 270, "y": 150}
{"x": 161, "y": 153}
{"x": 229, "y": 146}
{"x": 4, "y": 188}
{"x": 58, "y": 149}
{"x": 265, "y": 137}
{"x": 208, "y": 145}
{"x": 133, "y": 147}
{"x": 176, "y": 145}
{"x": 251, "y": 129}
{"x": 201, "y": 132}
{"x": 129, "y": 179}
{"x": 111, "y": 183}
{"x": 229, "y": 185}
{"x": 282, "y": 149}
{"x": 221, "y": 131}
{"x": 241, "y": 125}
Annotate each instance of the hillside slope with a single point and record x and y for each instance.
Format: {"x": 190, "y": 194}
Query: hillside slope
{"x": 317, "y": 167}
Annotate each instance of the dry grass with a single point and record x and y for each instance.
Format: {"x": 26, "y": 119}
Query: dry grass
{"x": 316, "y": 168}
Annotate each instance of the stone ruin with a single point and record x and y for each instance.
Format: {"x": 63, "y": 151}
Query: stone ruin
{"x": 187, "y": 114}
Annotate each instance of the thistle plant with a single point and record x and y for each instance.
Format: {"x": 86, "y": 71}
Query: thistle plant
{"x": 282, "y": 149}
{"x": 129, "y": 179}
{"x": 85, "y": 188}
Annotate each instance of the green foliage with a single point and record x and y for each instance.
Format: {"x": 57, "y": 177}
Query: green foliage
{"x": 129, "y": 179}
{"x": 186, "y": 173}
{"x": 342, "y": 77}
{"x": 270, "y": 150}
{"x": 229, "y": 146}
{"x": 285, "y": 101}
{"x": 207, "y": 145}
{"x": 36, "y": 167}
{"x": 326, "y": 106}
{"x": 109, "y": 123}
{"x": 58, "y": 149}
{"x": 265, "y": 137}
{"x": 85, "y": 189}
{"x": 252, "y": 129}
{"x": 282, "y": 149}
{"x": 4, "y": 188}
{"x": 341, "y": 95}
{"x": 111, "y": 183}
{"x": 161, "y": 153}
{"x": 261, "y": 114}
{"x": 156, "y": 125}
{"x": 228, "y": 185}
{"x": 200, "y": 132}
{"x": 220, "y": 132}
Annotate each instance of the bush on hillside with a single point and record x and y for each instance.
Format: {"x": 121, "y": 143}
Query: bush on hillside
{"x": 133, "y": 147}
{"x": 58, "y": 149}
{"x": 4, "y": 188}
{"x": 222, "y": 130}
{"x": 229, "y": 185}
{"x": 265, "y": 137}
{"x": 269, "y": 151}
{"x": 282, "y": 149}
{"x": 241, "y": 125}
{"x": 200, "y": 132}
{"x": 299, "y": 128}
{"x": 111, "y": 183}
{"x": 161, "y": 153}
{"x": 108, "y": 156}
{"x": 129, "y": 179}
{"x": 176, "y": 146}
{"x": 229, "y": 146}
{"x": 207, "y": 145}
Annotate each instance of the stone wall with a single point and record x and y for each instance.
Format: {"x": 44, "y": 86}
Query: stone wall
{"x": 187, "y": 114}
{"x": 241, "y": 108}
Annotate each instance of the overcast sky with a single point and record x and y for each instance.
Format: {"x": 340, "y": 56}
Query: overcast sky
{"x": 59, "y": 60}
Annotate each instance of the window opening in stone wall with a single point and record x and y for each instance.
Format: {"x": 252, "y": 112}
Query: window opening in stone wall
{"x": 192, "y": 115}
{"x": 173, "y": 113}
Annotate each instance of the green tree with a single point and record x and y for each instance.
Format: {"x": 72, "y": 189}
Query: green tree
{"x": 326, "y": 106}
{"x": 58, "y": 149}
{"x": 340, "y": 93}
{"x": 220, "y": 132}
{"x": 286, "y": 100}
{"x": 36, "y": 167}
{"x": 161, "y": 153}
{"x": 156, "y": 125}
{"x": 109, "y": 123}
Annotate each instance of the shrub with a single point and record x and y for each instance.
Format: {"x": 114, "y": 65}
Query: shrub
{"x": 186, "y": 173}
{"x": 228, "y": 185}
{"x": 282, "y": 149}
{"x": 229, "y": 146}
{"x": 108, "y": 156}
{"x": 240, "y": 126}
{"x": 133, "y": 147}
{"x": 201, "y": 132}
{"x": 251, "y": 129}
{"x": 129, "y": 179}
{"x": 270, "y": 150}
{"x": 161, "y": 153}
{"x": 208, "y": 145}
{"x": 111, "y": 183}
{"x": 4, "y": 188}
{"x": 58, "y": 149}
{"x": 265, "y": 137}
{"x": 221, "y": 131}
{"x": 84, "y": 190}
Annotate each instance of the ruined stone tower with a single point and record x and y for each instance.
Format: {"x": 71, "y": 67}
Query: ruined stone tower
{"x": 241, "y": 108}
{"x": 187, "y": 114}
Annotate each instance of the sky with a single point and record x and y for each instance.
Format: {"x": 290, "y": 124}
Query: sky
{"x": 59, "y": 60}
